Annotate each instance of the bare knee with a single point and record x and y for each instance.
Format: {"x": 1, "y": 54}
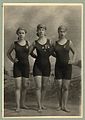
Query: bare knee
{"x": 18, "y": 83}
{"x": 65, "y": 88}
{"x": 25, "y": 83}
{"x": 59, "y": 86}
{"x": 24, "y": 86}
{"x": 38, "y": 82}
{"x": 65, "y": 85}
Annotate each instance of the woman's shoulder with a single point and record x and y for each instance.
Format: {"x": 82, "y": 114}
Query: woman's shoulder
{"x": 54, "y": 43}
{"x": 34, "y": 42}
{"x": 69, "y": 42}
{"x": 12, "y": 46}
{"x": 15, "y": 41}
{"x": 50, "y": 41}
{"x": 28, "y": 42}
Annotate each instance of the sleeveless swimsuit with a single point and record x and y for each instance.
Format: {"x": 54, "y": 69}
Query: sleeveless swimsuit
{"x": 63, "y": 70}
{"x": 42, "y": 65}
{"x": 21, "y": 68}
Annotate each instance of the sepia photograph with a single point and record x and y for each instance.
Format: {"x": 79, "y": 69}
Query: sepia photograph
{"x": 42, "y": 60}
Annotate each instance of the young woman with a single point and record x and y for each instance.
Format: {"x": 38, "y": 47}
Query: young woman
{"x": 41, "y": 68}
{"x": 63, "y": 66}
{"x": 20, "y": 67}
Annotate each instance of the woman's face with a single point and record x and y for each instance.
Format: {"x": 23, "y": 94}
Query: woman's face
{"x": 41, "y": 32}
{"x": 62, "y": 33}
{"x": 21, "y": 34}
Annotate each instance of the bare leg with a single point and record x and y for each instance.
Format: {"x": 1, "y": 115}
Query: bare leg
{"x": 23, "y": 92}
{"x": 38, "y": 82}
{"x": 43, "y": 89}
{"x": 59, "y": 93}
{"x": 65, "y": 95}
{"x": 17, "y": 92}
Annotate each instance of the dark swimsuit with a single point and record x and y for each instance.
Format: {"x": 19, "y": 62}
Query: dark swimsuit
{"x": 63, "y": 70}
{"x": 42, "y": 65}
{"x": 21, "y": 68}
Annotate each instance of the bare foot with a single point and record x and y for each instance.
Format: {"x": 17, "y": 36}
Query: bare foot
{"x": 17, "y": 110}
{"x": 58, "y": 108}
{"x": 66, "y": 109}
{"x": 44, "y": 107}
{"x": 39, "y": 110}
{"x": 24, "y": 107}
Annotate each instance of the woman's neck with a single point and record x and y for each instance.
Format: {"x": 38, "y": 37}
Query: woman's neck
{"x": 21, "y": 42}
{"x": 62, "y": 41}
{"x": 42, "y": 40}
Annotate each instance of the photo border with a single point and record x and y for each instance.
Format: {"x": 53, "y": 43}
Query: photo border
{"x": 2, "y": 67}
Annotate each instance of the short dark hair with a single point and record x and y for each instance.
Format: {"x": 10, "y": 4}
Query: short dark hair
{"x": 41, "y": 26}
{"x": 20, "y": 28}
{"x": 62, "y": 27}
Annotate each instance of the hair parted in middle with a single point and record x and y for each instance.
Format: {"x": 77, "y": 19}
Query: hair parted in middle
{"x": 20, "y": 28}
{"x": 39, "y": 26}
{"x": 62, "y": 27}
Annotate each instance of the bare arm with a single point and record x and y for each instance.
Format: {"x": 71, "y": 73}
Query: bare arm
{"x": 31, "y": 49}
{"x": 73, "y": 50}
{"x": 9, "y": 53}
{"x": 53, "y": 52}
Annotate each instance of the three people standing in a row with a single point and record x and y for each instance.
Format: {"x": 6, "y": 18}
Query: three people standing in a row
{"x": 41, "y": 70}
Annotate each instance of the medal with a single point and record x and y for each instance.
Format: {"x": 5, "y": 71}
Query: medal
{"x": 26, "y": 47}
{"x": 43, "y": 47}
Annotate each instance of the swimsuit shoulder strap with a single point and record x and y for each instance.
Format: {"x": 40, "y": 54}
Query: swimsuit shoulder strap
{"x": 49, "y": 41}
{"x": 27, "y": 43}
{"x": 35, "y": 42}
{"x": 15, "y": 42}
{"x": 68, "y": 42}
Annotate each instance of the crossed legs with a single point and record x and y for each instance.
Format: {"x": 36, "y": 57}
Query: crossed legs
{"x": 63, "y": 87}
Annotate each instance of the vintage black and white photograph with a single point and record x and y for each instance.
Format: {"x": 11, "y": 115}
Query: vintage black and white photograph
{"x": 43, "y": 58}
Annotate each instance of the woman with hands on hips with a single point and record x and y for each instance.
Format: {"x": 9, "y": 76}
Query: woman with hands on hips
{"x": 20, "y": 66}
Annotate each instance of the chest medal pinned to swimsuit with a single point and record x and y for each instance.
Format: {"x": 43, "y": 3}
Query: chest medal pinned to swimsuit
{"x": 45, "y": 47}
{"x": 27, "y": 47}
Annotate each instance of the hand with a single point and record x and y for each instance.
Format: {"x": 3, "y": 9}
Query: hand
{"x": 78, "y": 63}
{"x": 16, "y": 60}
{"x": 71, "y": 62}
